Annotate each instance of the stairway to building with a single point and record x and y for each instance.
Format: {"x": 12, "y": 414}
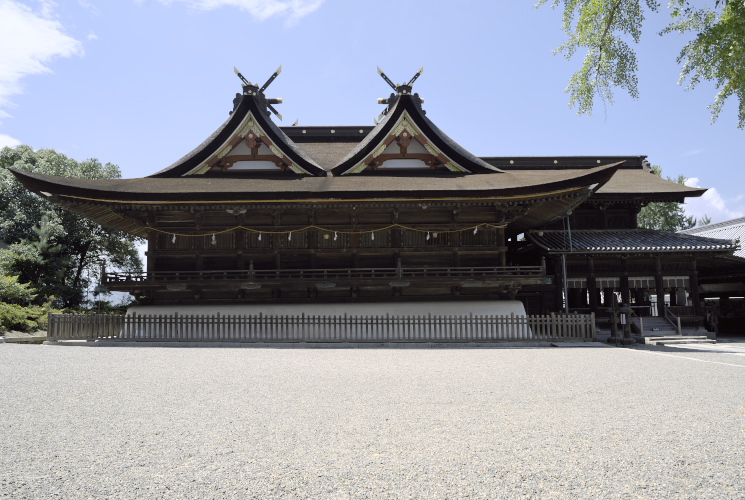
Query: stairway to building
{"x": 658, "y": 331}
{"x": 654, "y": 325}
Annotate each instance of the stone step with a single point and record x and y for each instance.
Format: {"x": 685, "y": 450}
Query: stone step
{"x": 674, "y": 342}
{"x": 678, "y": 339}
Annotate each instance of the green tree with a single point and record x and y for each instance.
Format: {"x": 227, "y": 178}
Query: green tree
{"x": 669, "y": 215}
{"x": 13, "y": 291}
{"x": 56, "y": 250}
{"x": 604, "y": 28}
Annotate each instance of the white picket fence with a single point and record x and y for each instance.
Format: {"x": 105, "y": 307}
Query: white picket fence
{"x": 320, "y": 328}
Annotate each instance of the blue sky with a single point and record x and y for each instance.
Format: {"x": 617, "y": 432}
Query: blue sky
{"x": 139, "y": 83}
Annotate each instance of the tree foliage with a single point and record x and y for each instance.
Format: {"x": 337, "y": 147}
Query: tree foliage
{"x": 53, "y": 249}
{"x": 603, "y": 27}
{"x": 13, "y": 291}
{"x": 668, "y": 216}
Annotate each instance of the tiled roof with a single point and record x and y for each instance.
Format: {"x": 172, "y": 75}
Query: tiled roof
{"x": 733, "y": 229}
{"x": 627, "y": 240}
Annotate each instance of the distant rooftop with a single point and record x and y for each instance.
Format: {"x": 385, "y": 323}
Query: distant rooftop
{"x": 733, "y": 229}
{"x": 627, "y": 240}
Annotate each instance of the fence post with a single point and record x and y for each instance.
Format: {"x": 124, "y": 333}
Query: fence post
{"x": 593, "y": 332}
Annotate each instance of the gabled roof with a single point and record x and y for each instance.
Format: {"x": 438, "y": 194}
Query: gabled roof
{"x": 407, "y": 117}
{"x": 733, "y": 229}
{"x": 627, "y": 241}
{"x": 249, "y": 120}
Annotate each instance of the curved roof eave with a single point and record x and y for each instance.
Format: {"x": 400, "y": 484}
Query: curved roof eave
{"x": 198, "y": 189}
{"x": 441, "y": 140}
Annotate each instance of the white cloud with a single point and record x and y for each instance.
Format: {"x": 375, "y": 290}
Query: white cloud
{"x": 712, "y": 204}
{"x": 88, "y": 5}
{"x": 259, "y": 9}
{"x": 92, "y": 36}
{"x": 6, "y": 140}
{"x": 28, "y": 42}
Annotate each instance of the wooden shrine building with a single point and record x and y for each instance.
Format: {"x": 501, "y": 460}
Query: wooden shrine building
{"x": 397, "y": 212}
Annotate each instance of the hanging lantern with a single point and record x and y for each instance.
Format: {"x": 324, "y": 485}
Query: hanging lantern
{"x": 372, "y": 236}
{"x": 427, "y": 235}
{"x": 335, "y": 236}
{"x": 259, "y": 236}
{"x": 475, "y": 229}
{"x": 214, "y": 240}
{"x": 173, "y": 240}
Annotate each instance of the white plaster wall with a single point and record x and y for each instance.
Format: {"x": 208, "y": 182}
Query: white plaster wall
{"x": 464, "y": 308}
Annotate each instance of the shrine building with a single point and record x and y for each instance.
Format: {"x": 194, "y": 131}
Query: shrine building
{"x": 262, "y": 214}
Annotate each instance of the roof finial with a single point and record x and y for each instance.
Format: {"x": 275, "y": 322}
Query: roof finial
{"x": 254, "y": 90}
{"x": 403, "y": 89}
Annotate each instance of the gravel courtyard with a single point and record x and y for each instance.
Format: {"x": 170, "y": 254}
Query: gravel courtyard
{"x": 149, "y": 422}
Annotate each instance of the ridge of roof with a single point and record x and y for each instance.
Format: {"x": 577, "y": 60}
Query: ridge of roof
{"x": 319, "y": 133}
{"x": 558, "y": 162}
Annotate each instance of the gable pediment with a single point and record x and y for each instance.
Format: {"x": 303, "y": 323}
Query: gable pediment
{"x": 249, "y": 148}
{"x": 407, "y": 140}
{"x": 405, "y": 147}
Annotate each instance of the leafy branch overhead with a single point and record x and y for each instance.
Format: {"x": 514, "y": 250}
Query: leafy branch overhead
{"x": 604, "y": 29}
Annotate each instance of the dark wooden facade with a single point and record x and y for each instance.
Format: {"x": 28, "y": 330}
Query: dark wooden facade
{"x": 399, "y": 211}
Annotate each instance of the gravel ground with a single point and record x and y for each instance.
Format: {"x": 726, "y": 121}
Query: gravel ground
{"x": 149, "y": 422}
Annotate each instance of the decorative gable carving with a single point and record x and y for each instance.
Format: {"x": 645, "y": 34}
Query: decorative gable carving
{"x": 250, "y": 148}
{"x": 406, "y": 142}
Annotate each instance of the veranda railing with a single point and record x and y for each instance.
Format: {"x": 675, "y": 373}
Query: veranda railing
{"x": 321, "y": 328}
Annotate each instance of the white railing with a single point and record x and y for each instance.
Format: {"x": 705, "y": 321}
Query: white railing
{"x": 321, "y": 328}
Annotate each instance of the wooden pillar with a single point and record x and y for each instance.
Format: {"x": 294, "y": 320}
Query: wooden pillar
{"x": 634, "y": 216}
{"x": 558, "y": 285}
{"x": 693, "y": 278}
{"x": 502, "y": 259}
{"x": 660, "y": 289}
{"x": 624, "y": 281}
{"x": 592, "y": 290}
{"x": 150, "y": 254}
